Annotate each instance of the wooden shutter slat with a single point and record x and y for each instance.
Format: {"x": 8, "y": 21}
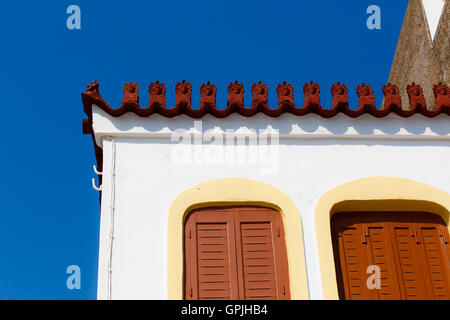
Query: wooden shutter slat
{"x": 258, "y": 262}
{"x": 261, "y": 292}
{"x": 259, "y": 277}
{"x": 264, "y": 282}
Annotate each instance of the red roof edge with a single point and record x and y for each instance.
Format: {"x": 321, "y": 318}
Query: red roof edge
{"x": 366, "y": 104}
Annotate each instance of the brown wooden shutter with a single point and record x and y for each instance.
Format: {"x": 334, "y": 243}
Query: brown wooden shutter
{"x": 411, "y": 250}
{"x": 353, "y": 260}
{"x": 210, "y": 256}
{"x": 261, "y": 254}
{"x": 405, "y": 241}
{"x": 235, "y": 253}
{"x": 435, "y": 248}
{"x": 379, "y": 250}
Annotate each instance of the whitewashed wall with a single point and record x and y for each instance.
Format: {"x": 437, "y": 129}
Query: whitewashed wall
{"x": 314, "y": 155}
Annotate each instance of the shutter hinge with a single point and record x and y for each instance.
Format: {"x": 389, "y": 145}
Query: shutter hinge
{"x": 414, "y": 234}
{"x": 190, "y": 292}
{"x": 365, "y": 235}
{"x": 284, "y": 290}
{"x": 279, "y": 233}
{"x": 443, "y": 235}
{"x": 189, "y": 238}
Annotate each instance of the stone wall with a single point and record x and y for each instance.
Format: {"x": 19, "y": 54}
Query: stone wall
{"x": 417, "y": 59}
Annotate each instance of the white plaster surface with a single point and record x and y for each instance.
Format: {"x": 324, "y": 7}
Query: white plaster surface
{"x": 313, "y": 156}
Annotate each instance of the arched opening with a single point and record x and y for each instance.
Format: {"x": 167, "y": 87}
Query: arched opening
{"x": 368, "y": 196}
{"x": 391, "y": 256}
{"x": 232, "y": 192}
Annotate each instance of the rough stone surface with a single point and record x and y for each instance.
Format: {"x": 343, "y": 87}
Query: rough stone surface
{"x": 442, "y": 45}
{"x": 417, "y": 58}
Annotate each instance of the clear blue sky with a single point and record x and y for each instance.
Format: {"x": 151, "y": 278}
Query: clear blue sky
{"x": 49, "y": 212}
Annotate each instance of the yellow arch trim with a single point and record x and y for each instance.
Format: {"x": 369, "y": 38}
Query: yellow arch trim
{"x": 228, "y": 192}
{"x": 371, "y": 194}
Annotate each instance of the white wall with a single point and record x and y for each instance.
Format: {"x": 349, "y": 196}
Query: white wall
{"x": 313, "y": 156}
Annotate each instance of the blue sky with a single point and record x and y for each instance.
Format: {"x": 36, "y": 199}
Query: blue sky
{"x": 50, "y": 213}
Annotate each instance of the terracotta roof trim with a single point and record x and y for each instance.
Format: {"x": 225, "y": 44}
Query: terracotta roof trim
{"x": 366, "y": 104}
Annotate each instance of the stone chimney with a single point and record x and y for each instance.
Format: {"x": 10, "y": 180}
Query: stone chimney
{"x": 423, "y": 50}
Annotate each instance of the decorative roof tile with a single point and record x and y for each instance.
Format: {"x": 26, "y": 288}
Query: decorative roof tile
{"x": 285, "y": 92}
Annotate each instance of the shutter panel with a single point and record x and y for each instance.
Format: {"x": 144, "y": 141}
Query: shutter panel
{"x": 235, "y": 253}
{"x": 353, "y": 260}
{"x": 437, "y": 260}
{"x": 381, "y": 254}
{"x": 210, "y": 256}
{"x": 262, "y": 258}
{"x": 410, "y": 268}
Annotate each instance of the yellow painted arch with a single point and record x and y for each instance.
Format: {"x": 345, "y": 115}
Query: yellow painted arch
{"x": 229, "y": 192}
{"x": 371, "y": 194}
